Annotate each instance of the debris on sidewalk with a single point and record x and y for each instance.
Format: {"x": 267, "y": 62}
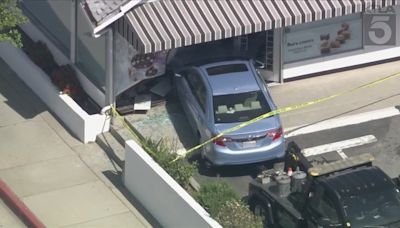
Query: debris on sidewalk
{"x": 162, "y": 88}
{"x": 141, "y": 98}
{"x": 125, "y": 106}
{"x": 142, "y": 102}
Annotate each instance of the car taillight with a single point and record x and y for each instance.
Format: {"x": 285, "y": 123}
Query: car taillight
{"x": 221, "y": 141}
{"x": 275, "y": 134}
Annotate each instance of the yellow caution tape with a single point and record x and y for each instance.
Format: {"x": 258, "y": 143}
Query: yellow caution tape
{"x": 136, "y": 137}
{"x": 292, "y": 108}
{"x": 272, "y": 113}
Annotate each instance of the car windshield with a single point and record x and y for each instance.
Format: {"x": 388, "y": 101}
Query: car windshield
{"x": 240, "y": 107}
{"x": 373, "y": 208}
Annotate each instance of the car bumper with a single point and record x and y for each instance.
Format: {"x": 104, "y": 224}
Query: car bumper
{"x": 224, "y": 156}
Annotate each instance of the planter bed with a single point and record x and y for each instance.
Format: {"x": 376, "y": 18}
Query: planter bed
{"x": 83, "y": 125}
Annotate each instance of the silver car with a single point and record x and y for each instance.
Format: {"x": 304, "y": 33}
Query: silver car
{"x": 221, "y": 95}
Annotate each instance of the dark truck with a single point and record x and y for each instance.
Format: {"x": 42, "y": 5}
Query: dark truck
{"x": 346, "y": 193}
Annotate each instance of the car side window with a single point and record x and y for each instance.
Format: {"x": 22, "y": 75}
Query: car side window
{"x": 323, "y": 206}
{"x": 198, "y": 88}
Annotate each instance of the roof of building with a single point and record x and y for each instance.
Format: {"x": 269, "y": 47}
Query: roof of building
{"x": 102, "y": 9}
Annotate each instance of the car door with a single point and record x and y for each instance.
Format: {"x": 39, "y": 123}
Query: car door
{"x": 200, "y": 103}
{"x": 196, "y": 101}
{"x": 321, "y": 211}
{"x": 185, "y": 95}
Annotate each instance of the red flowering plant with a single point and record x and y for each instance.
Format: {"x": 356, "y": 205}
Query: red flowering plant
{"x": 64, "y": 77}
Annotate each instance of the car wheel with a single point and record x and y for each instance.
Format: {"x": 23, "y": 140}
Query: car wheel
{"x": 202, "y": 149}
{"x": 207, "y": 164}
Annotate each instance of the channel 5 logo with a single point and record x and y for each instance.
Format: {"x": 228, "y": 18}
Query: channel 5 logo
{"x": 380, "y": 26}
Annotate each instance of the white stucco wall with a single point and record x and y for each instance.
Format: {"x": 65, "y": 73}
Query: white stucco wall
{"x": 167, "y": 201}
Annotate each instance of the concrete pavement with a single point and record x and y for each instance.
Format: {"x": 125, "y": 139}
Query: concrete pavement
{"x": 8, "y": 218}
{"x": 64, "y": 182}
{"x": 386, "y": 94}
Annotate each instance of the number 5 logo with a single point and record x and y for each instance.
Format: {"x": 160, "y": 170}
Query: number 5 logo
{"x": 380, "y": 25}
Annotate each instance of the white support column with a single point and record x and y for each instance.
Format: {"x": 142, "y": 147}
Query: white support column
{"x": 277, "y": 65}
{"x": 72, "y": 54}
{"x": 110, "y": 95}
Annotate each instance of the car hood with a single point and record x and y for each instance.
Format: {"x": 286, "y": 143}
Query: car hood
{"x": 254, "y": 129}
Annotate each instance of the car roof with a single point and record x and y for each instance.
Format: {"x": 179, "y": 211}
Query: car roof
{"x": 231, "y": 83}
{"x": 354, "y": 181}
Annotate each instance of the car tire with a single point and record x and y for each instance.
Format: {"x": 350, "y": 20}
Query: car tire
{"x": 202, "y": 150}
{"x": 211, "y": 168}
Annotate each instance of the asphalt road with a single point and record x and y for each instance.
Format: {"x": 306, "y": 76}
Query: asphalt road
{"x": 385, "y": 149}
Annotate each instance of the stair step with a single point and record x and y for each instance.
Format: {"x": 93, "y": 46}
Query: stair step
{"x": 112, "y": 147}
{"x": 121, "y": 135}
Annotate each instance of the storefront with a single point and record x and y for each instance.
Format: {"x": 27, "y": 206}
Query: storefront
{"x": 341, "y": 42}
{"x": 326, "y": 45}
{"x": 117, "y": 44}
{"x": 322, "y": 38}
{"x": 292, "y": 38}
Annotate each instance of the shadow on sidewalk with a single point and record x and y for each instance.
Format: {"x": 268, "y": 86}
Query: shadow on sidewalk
{"x": 116, "y": 179}
{"x": 19, "y": 97}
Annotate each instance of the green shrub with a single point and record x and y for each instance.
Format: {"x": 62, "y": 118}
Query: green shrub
{"x": 236, "y": 214}
{"x": 213, "y": 196}
{"x": 163, "y": 154}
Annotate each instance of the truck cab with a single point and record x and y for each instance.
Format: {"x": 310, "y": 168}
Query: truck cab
{"x": 346, "y": 193}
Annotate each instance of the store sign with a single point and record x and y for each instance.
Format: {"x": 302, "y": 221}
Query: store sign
{"x": 133, "y": 67}
{"x": 324, "y": 38}
{"x": 380, "y": 26}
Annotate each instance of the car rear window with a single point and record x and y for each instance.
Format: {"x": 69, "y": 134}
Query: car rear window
{"x": 233, "y": 108}
{"x": 226, "y": 69}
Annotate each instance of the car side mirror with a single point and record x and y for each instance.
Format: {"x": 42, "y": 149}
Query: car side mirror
{"x": 178, "y": 75}
{"x": 259, "y": 65}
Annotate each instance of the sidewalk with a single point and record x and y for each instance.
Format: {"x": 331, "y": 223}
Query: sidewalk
{"x": 8, "y": 218}
{"x": 64, "y": 182}
{"x": 386, "y": 94}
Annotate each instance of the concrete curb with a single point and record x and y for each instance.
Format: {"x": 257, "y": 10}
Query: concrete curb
{"x": 18, "y": 207}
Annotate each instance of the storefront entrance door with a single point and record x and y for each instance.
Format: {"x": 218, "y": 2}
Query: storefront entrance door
{"x": 261, "y": 48}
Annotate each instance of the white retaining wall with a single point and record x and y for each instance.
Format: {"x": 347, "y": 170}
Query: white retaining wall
{"x": 161, "y": 195}
{"x": 85, "y": 127}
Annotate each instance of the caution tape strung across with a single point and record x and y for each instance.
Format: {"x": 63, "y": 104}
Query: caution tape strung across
{"x": 136, "y": 137}
{"x": 272, "y": 113}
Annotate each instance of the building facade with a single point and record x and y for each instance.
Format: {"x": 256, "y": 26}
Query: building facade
{"x": 116, "y": 44}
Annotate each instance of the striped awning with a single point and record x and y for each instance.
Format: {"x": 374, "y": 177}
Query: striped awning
{"x": 167, "y": 24}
